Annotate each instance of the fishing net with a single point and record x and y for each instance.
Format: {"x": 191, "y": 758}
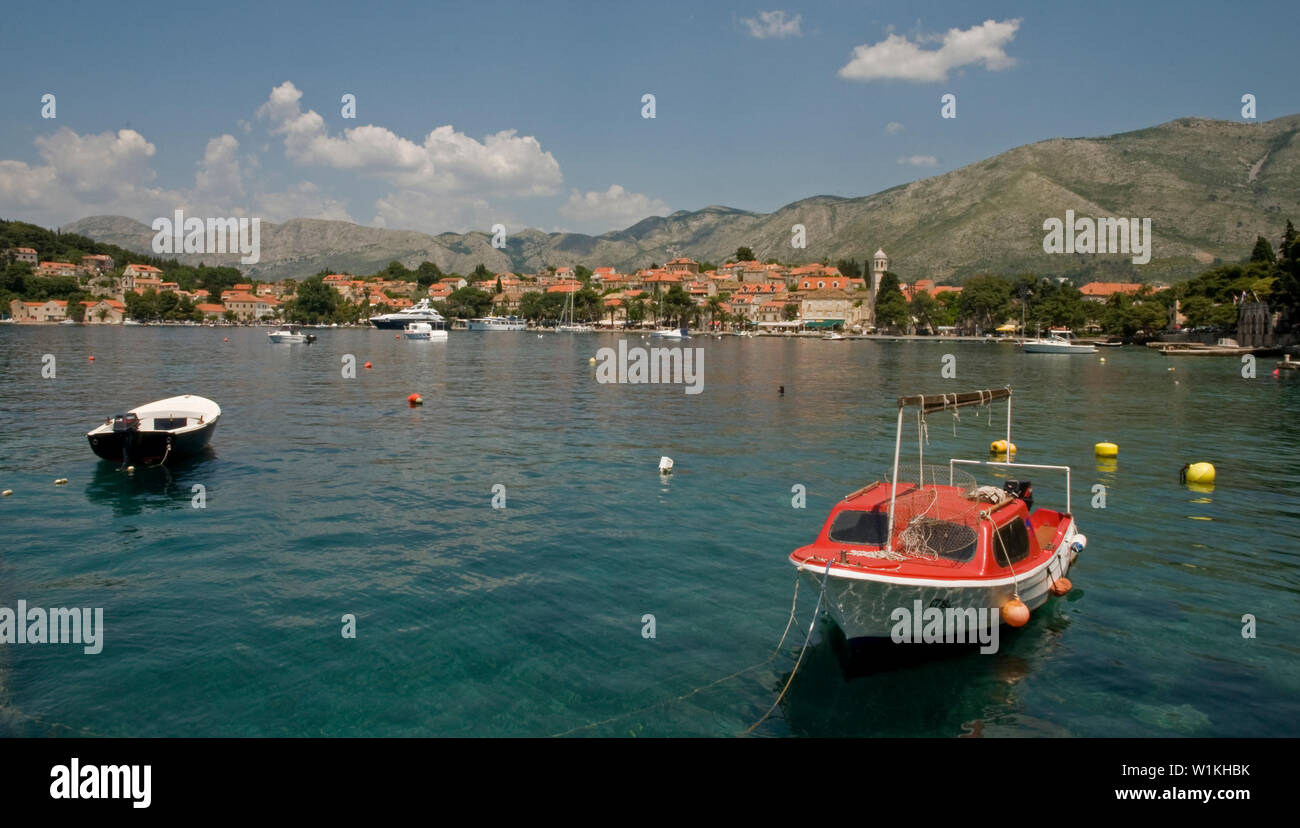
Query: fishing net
{"x": 936, "y": 512}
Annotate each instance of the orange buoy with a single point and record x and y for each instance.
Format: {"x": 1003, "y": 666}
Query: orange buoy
{"x": 415, "y": 399}
{"x": 367, "y": 364}
{"x": 91, "y": 358}
{"x": 225, "y": 339}
{"x": 397, "y": 336}
{"x": 1015, "y": 613}
{"x": 1061, "y": 586}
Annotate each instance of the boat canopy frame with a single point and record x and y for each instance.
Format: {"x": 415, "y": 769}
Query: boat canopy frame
{"x": 929, "y": 404}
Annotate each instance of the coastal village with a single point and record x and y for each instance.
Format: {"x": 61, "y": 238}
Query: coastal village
{"x": 741, "y": 293}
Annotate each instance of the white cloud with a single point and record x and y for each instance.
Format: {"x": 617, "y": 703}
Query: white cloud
{"x": 447, "y": 162}
{"x": 919, "y": 160}
{"x": 614, "y": 209}
{"x": 897, "y": 58}
{"x": 894, "y": 128}
{"x": 773, "y": 24}
{"x": 109, "y": 173}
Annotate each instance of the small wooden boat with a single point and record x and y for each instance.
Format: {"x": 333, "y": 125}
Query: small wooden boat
{"x": 156, "y": 432}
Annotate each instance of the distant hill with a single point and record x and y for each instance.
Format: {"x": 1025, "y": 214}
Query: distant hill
{"x": 1209, "y": 187}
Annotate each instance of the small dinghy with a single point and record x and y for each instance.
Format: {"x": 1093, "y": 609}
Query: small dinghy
{"x": 157, "y": 432}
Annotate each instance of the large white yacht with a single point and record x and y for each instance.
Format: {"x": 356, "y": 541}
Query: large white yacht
{"x": 421, "y": 311}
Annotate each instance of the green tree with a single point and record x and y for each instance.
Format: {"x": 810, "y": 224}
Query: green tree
{"x": 677, "y": 305}
{"x": 427, "y": 274}
{"x": 924, "y": 309}
{"x": 744, "y": 254}
{"x": 469, "y": 302}
{"x": 891, "y": 305}
{"x": 790, "y": 312}
{"x": 986, "y": 301}
{"x": 1263, "y": 251}
{"x": 315, "y": 302}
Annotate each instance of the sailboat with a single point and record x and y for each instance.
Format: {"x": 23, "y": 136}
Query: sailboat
{"x": 568, "y": 323}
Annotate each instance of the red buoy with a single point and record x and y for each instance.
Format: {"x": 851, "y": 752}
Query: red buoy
{"x": 1061, "y": 586}
{"x": 415, "y": 399}
{"x": 92, "y": 357}
{"x": 226, "y": 339}
{"x": 367, "y": 364}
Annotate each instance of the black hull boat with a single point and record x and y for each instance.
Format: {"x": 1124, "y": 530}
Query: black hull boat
{"x": 157, "y": 432}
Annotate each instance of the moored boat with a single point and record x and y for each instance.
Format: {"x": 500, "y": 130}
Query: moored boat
{"x": 1057, "y": 342}
{"x": 497, "y": 323}
{"x": 421, "y": 311}
{"x": 426, "y": 331}
{"x": 157, "y": 432}
{"x": 930, "y": 534}
{"x": 290, "y": 335}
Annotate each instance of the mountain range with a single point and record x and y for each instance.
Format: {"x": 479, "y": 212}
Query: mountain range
{"x": 1209, "y": 187}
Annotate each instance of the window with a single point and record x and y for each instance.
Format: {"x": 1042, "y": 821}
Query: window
{"x": 856, "y": 526}
{"x": 1011, "y": 543}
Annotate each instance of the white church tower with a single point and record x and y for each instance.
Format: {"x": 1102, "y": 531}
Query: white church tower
{"x": 879, "y": 264}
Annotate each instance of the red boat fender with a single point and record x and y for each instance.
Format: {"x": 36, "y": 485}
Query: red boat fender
{"x": 1061, "y": 586}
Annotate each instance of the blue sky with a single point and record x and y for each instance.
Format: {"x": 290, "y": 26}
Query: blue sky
{"x": 210, "y": 109}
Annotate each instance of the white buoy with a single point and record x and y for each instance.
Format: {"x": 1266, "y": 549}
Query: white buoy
{"x": 665, "y": 465}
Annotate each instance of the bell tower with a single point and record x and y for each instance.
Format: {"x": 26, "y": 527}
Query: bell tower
{"x": 879, "y": 264}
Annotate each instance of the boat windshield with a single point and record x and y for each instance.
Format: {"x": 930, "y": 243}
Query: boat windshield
{"x": 858, "y": 526}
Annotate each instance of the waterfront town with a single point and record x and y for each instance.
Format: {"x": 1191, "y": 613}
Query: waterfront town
{"x": 768, "y": 296}
{"x": 742, "y": 294}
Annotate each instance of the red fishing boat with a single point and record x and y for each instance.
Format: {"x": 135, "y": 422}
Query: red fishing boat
{"x": 930, "y": 533}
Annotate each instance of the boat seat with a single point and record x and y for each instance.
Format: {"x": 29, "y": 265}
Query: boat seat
{"x": 1045, "y": 535}
{"x": 168, "y": 423}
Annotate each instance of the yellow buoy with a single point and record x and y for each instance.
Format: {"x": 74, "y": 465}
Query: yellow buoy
{"x": 1103, "y": 360}
{"x": 1000, "y": 447}
{"x": 6, "y": 492}
{"x": 1198, "y": 473}
{"x": 1106, "y": 450}
{"x": 591, "y": 361}
{"x": 61, "y": 481}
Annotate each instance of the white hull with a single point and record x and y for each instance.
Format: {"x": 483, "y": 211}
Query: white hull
{"x": 496, "y": 325}
{"x": 426, "y": 336}
{"x": 861, "y": 606}
{"x": 287, "y": 339}
{"x": 1054, "y": 348}
{"x": 575, "y": 329}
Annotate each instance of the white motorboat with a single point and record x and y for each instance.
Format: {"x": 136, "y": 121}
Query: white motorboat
{"x": 1057, "y": 342}
{"x": 421, "y": 311}
{"x": 290, "y": 335}
{"x": 426, "y": 331}
{"x": 151, "y": 434}
{"x": 497, "y": 323}
{"x": 673, "y": 333}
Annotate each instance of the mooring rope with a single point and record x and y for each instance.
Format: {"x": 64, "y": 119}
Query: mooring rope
{"x": 825, "y": 577}
{"x": 788, "y": 624}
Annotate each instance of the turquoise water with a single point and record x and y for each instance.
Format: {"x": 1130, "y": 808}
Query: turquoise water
{"x": 327, "y": 496}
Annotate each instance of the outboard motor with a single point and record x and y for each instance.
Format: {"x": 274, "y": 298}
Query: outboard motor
{"x": 126, "y": 422}
{"x": 1022, "y": 489}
